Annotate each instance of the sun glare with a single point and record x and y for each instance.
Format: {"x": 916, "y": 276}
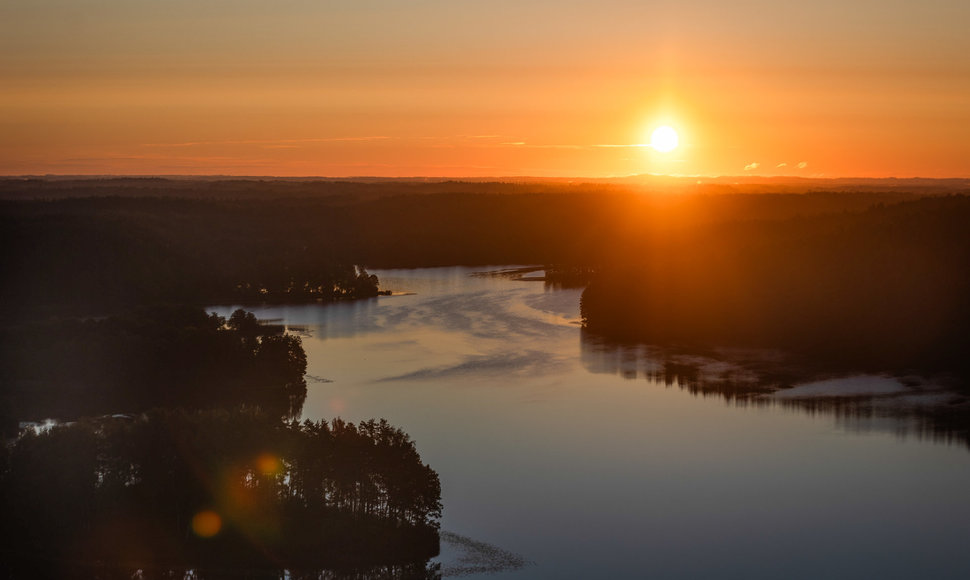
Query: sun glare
{"x": 664, "y": 139}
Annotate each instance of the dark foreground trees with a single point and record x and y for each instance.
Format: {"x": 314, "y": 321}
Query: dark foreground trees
{"x": 216, "y": 489}
{"x": 216, "y": 477}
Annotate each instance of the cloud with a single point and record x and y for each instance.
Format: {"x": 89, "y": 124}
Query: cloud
{"x": 268, "y": 142}
{"x": 802, "y": 164}
{"x": 782, "y": 164}
{"x": 752, "y": 166}
{"x": 530, "y": 146}
{"x": 527, "y": 145}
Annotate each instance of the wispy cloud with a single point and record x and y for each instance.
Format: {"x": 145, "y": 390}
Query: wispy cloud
{"x": 269, "y": 142}
{"x": 594, "y": 146}
{"x": 542, "y": 146}
{"x": 802, "y": 164}
{"x": 752, "y": 166}
{"x": 782, "y": 164}
{"x": 627, "y": 146}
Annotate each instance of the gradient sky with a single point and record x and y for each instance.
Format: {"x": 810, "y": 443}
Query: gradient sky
{"x": 484, "y": 88}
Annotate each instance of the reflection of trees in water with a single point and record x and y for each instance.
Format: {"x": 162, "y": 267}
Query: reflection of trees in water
{"x": 553, "y": 276}
{"x": 476, "y": 557}
{"x": 562, "y": 276}
{"x": 764, "y": 378}
{"x": 699, "y": 374}
{"x": 945, "y": 421}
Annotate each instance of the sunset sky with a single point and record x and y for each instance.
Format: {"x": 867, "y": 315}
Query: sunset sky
{"x": 484, "y": 88}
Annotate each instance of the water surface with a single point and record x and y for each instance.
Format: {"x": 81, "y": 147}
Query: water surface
{"x": 553, "y": 454}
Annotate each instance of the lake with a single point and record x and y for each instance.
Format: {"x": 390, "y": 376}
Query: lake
{"x": 563, "y": 458}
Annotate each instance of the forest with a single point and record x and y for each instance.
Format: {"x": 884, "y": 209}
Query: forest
{"x": 885, "y": 289}
{"x": 215, "y": 490}
{"x": 153, "y": 356}
{"x": 167, "y": 412}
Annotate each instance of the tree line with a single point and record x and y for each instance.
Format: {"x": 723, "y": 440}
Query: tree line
{"x": 115, "y": 248}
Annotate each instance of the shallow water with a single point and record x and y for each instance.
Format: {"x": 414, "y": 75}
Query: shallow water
{"x": 556, "y": 457}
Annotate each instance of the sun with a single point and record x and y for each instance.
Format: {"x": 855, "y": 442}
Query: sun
{"x": 664, "y": 139}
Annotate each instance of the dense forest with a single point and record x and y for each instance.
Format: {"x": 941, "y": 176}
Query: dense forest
{"x": 101, "y": 254}
{"x": 883, "y": 289}
{"x": 103, "y": 325}
{"x": 215, "y": 489}
{"x": 171, "y": 356}
{"x": 176, "y": 448}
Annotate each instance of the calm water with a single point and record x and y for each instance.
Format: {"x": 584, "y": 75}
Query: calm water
{"x": 548, "y": 449}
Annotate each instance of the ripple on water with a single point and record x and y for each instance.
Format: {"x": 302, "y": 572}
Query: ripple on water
{"x": 474, "y": 557}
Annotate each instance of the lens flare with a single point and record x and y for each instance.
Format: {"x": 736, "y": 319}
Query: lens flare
{"x": 268, "y": 464}
{"x": 206, "y": 524}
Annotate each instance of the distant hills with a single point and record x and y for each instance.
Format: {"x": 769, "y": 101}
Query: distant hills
{"x": 224, "y": 186}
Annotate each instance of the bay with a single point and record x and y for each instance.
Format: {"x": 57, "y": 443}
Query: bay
{"x": 572, "y": 466}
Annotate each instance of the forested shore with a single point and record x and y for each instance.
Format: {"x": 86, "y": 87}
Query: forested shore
{"x": 102, "y": 300}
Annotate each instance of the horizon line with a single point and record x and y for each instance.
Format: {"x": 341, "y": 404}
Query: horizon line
{"x": 469, "y": 177}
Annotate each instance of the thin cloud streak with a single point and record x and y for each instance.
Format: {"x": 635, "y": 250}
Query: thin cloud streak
{"x": 279, "y": 142}
{"x": 295, "y": 143}
{"x": 596, "y": 146}
{"x": 529, "y": 146}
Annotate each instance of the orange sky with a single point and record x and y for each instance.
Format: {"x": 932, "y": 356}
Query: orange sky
{"x": 499, "y": 88}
